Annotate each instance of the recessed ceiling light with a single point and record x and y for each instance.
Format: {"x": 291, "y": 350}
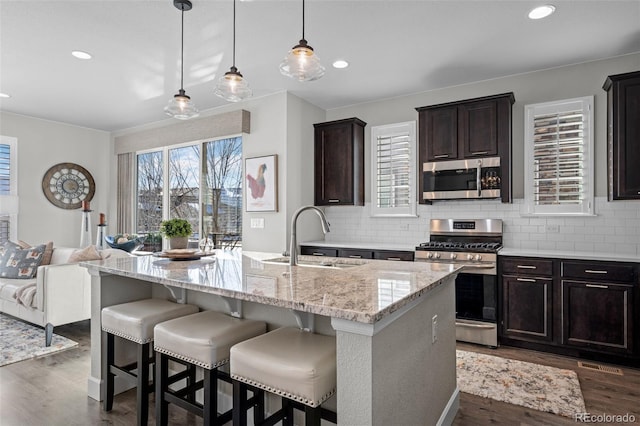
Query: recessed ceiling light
{"x": 81, "y": 55}
{"x": 542, "y": 11}
{"x": 4, "y": 95}
{"x": 340, "y": 64}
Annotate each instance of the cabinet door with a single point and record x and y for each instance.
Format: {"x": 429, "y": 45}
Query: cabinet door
{"x": 318, "y": 251}
{"x": 598, "y": 315}
{"x": 527, "y": 308}
{"x": 624, "y": 136}
{"x": 339, "y": 163}
{"x": 439, "y": 133}
{"x": 478, "y": 129}
{"x": 393, "y": 255}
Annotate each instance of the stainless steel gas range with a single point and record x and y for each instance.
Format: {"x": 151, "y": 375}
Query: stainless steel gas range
{"x": 473, "y": 243}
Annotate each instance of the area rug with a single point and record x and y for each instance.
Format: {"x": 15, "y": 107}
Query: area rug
{"x": 20, "y": 341}
{"x": 534, "y": 386}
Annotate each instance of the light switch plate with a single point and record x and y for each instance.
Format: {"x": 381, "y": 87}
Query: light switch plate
{"x": 257, "y": 222}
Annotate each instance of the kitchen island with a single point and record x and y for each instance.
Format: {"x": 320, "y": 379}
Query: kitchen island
{"x": 393, "y": 321}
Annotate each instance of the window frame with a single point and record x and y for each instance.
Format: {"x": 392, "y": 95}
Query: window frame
{"x": 586, "y": 207}
{"x": 390, "y": 130}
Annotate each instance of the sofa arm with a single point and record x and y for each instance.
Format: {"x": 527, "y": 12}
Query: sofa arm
{"x": 64, "y": 293}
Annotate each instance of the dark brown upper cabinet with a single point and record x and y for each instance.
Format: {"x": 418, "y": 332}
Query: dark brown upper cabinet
{"x": 473, "y": 128}
{"x": 339, "y": 162}
{"x": 623, "y": 135}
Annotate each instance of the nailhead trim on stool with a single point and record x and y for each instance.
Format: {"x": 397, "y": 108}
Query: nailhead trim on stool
{"x": 203, "y": 339}
{"x": 135, "y": 321}
{"x": 297, "y": 365}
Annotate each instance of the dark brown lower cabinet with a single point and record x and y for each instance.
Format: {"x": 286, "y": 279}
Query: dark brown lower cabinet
{"x": 598, "y": 315}
{"x": 357, "y": 253}
{"x": 527, "y": 310}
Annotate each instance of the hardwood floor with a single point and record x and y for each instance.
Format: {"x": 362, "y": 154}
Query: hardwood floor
{"x": 52, "y": 391}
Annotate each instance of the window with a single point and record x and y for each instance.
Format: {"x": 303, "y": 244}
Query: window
{"x": 199, "y": 182}
{"x": 558, "y": 139}
{"x": 393, "y": 188}
{"x": 8, "y": 188}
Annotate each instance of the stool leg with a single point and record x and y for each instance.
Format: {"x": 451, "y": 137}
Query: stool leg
{"x": 258, "y": 408}
{"x": 108, "y": 360}
{"x": 162, "y": 374}
{"x": 191, "y": 380}
{"x": 311, "y": 416}
{"x": 142, "y": 391}
{"x": 239, "y": 403}
{"x": 287, "y": 407}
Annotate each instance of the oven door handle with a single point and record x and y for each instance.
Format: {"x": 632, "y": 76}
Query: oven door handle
{"x": 484, "y": 327}
{"x": 478, "y": 179}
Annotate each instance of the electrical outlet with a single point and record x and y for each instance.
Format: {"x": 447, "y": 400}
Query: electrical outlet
{"x": 257, "y": 222}
{"x": 434, "y": 329}
{"x": 552, "y": 228}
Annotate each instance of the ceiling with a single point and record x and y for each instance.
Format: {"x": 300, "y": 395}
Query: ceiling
{"x": 395, "y": 48}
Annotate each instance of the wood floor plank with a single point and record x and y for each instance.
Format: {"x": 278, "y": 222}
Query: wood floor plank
{"x": 52, "y": 391}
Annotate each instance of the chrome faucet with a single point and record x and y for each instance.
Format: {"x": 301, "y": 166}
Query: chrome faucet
{"x": 293, "y": 247}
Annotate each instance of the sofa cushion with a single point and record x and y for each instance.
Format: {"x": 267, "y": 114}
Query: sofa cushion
{"x": 48, "y": 251}
{"x": 85, "y": 254}
{"x": 19, "y": 263}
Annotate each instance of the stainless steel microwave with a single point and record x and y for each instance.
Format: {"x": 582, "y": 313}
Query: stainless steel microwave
{"x": 459, "y": 179}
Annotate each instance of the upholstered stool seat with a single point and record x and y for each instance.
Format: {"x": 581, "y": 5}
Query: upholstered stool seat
{"x": 135, "y": 321}
{"x": 203, "y": 339}
{"x": 298, "y": 365}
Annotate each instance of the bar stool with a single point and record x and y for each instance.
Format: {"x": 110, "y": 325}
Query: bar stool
{"x": 203, "y": 339}
{"x": 298, "y": 365}
{"x": 135, "y": 321}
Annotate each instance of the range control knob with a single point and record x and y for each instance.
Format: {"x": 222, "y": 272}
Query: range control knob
{"x": 437, "y": 255}
{"x": 453, "y": 256}
{"x": 478, "y": 257}
{"x": 469, "y": 257}
{"x": 430, "y": 255}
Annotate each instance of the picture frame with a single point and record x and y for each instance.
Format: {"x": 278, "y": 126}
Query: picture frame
{"x": 261, "y": 183}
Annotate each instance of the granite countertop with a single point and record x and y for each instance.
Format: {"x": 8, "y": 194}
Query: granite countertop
{"x": 577, "y": 255}
{"x": 367, "y": 245}
{"x": 366, "y": 292}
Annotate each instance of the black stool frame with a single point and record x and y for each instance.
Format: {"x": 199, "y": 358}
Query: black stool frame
{"x": 139, "y": 379}
{"x": 185, "y": 397}
{"x": 313, "y": 415}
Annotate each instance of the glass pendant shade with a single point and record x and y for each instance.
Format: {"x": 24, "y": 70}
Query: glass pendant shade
{"x": 232, "y": 86}
{"x": 181, "y": 107}
{"x": 302, "y": 64}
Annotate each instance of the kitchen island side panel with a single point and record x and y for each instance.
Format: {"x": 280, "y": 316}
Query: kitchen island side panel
{"x": 377, "y": 388}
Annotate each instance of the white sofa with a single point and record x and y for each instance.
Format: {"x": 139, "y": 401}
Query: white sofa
{"x": 62, "y": 292}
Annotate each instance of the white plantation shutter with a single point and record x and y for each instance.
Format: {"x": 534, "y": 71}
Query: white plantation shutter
{"x": 558, "y": 157}
{"x": 393, "y": 170}
{"x": 8, "y": 188}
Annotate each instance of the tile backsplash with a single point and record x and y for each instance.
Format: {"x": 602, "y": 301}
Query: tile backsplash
{"x": 615, "y": 228}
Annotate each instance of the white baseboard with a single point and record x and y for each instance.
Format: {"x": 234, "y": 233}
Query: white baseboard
{"x": 450, "y": 411}
{"x": 93, "y": 387}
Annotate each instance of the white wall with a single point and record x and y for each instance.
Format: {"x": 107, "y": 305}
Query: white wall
{"x": 616, "y": 228}
{"x": 42, "y": 144}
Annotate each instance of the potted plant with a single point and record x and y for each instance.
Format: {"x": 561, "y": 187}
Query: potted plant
{"x": 177, "y": 231}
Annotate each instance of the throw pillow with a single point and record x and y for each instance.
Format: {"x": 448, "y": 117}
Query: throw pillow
{"x": 48, "y": 251}
{"x": 16, "y": 262}
{"x": 85, "y": 254}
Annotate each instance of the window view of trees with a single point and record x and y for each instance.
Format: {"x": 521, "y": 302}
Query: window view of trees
{"x": 204, "y": 189}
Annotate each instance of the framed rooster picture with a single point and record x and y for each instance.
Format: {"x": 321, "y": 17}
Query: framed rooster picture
{"x": 261, "y": 177}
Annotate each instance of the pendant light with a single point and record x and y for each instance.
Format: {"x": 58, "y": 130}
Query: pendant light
{"x": 181, "y": 106}
{"x": 301, "y": 63}
{"x": 232, "y": 86}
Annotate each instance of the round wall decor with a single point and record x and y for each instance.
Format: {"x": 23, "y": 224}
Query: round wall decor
{"x": 67, "y": 185}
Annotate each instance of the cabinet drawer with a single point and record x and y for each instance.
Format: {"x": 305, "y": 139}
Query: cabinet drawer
{"x": 393, "y": 255}
{"x": 527, "y": 266}
{"x": 598, "y": 271}
{"x": 355, "y": 253}
{"x": 318, "y": 251}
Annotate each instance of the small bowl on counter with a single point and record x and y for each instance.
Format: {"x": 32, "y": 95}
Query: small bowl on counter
{"x": 128, "y": 246}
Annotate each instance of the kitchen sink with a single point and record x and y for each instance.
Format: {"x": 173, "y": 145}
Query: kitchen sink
{"x": 318, "y": 262}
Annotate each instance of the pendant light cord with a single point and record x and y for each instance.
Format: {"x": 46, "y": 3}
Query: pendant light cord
{"x": 303, "y": 19}
{"x": 234, "y": 33}
{"x": 182, "y": 51}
